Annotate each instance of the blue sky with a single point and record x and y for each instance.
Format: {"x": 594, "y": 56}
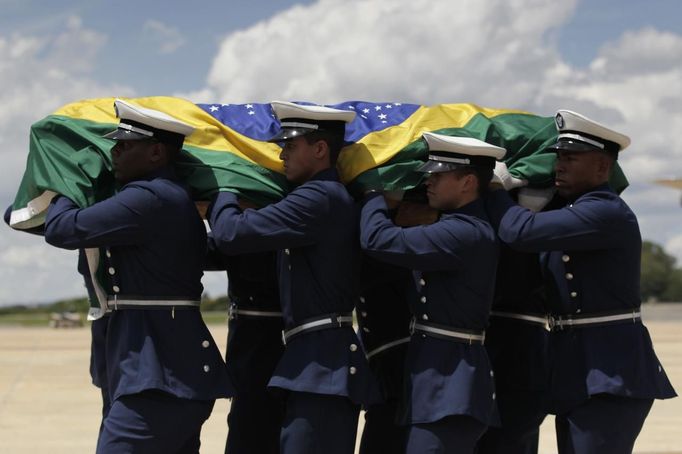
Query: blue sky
{"x": 619, "y": 62}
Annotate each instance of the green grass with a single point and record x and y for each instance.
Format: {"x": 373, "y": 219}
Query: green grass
{"x": 34, "y": 318}
{"x": 25, "y": 319}
{"x": 214, "y": 317}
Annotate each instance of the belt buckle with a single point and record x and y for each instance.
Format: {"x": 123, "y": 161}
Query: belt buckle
{"x": 337, "y": 319}
{"x": 232, "y": 311}
{"x": 413, "y": 321}
{"x": 554, "y": 322}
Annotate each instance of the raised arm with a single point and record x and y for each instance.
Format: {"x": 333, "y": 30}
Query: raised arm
{"x": 297, "y": 220}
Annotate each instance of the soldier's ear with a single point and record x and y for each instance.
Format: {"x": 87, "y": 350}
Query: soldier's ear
{"x": 321, "y": 149}
{"x": 471, "y": 181}
{"x": 604, "y": 164}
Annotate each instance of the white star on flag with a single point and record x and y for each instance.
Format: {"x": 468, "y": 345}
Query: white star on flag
{"x": 214, "y": 108}
{"x": 397, "y": 104}
{"x": 365, "y": 110}
{"x": 382, "y": 116}
{"x": 251, "y": 112}
{"x": 377, "y": 107}
{"x": 249, "y": 106}
{"x": 388, "y": 106}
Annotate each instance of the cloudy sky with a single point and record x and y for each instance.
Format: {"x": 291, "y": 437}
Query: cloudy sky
{"x": 618, "y": 61}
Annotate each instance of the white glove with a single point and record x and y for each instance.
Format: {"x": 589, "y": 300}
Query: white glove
{"x": 502, "y": 176}
{"x": 535, "y": 199}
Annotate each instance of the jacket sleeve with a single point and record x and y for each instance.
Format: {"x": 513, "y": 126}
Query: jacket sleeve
{"x": 439, "y": 246}
{"x": 124, "y": 219}
{"x": 214, "y": 260}
{"x": 595, "y": 221}
{"x": 295, "y": 221}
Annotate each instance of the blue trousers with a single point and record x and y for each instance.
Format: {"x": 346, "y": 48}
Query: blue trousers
{"x": 254, "y": 347}
{"x": 98, "y": 365}
{"x": 255, "y": 422}
{"x": 452, "y": 434}
{"x": 381, "y": 434}
{"x": 521, "y": 413}
{"x": 153, "y": 422}
{"x": 319, "y": 424}
{"x": 604, "y": 424}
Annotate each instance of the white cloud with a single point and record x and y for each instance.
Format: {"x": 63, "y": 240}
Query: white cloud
{"x": 499, "y": 53}
{"x": 33, "y": 272}
{"x": 630, "y": 86}
{"x": 418, "y": 50}
{"x": 495, "y": 53}
{"x": 44, "y": 72}
{"x": 674, "y": 247}
{"x": 167, "y": 38}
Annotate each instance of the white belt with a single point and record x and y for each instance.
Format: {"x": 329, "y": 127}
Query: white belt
{"x": 251, "y": 313}
{"x": 233, "y": 311}
{"x": 585, "y": 321}
{"x": 113, "y": 302}
{"x": 329, "y": 321}
{"x": 457, "y": 335}
{"x": 533, "y": 319}
{"x": 387, "y": 346}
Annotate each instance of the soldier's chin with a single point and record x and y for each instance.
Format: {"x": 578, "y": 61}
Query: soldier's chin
{"x": 563, "y": 191}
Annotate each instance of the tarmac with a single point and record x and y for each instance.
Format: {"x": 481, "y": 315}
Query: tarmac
{"x": 47, "y": 403}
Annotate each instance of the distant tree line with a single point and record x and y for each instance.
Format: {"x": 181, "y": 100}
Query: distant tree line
{"x": 661, "y": 277}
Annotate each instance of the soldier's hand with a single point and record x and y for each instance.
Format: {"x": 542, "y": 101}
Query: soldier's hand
{"x": 501, "y": 176}
{"x": 412, "y": 213}
{"x": 202, "y": 207}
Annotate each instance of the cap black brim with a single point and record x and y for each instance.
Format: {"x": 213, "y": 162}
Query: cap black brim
{"x": 289, "y": 133}
{"x": 572, "y": 145}
{"x": 432, "y": 166}
{"x": 124, "y": 134}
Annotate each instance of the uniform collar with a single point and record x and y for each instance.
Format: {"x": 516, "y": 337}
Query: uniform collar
{"x": 330, "y": 174}
{"x": 166, "y": 172}
{"x": 474, "y": 208}
{"x": 604, "y": 187}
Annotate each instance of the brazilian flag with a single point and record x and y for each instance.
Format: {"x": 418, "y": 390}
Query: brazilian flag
{"x": 229, "y": 149}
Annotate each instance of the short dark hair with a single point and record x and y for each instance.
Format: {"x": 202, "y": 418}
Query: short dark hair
{"x": 334, "y": 141}
{"x": 483, "y": 174}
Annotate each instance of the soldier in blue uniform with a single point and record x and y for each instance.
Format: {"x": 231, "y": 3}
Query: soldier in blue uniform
{"x": 323, "y": 371}
{"x": 516, "y": 340}
{"x": 450, "y": 397}
{"x": 384, "y": 319}
{"x": 254, "y": 347}
{"x": 164, "y": 370}
{"x": 604, "y": 372}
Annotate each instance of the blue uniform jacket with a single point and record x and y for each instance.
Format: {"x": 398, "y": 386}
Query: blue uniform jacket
{"x": 383, "y": 318}
{"x": 591, "y": 253}
{"x": 314, "y": 231}
{"x": 454, "y": 263}
{"x": 155, "y": 244}
{"x": 518, "y": 350}
{"x": 254, "y": 344}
